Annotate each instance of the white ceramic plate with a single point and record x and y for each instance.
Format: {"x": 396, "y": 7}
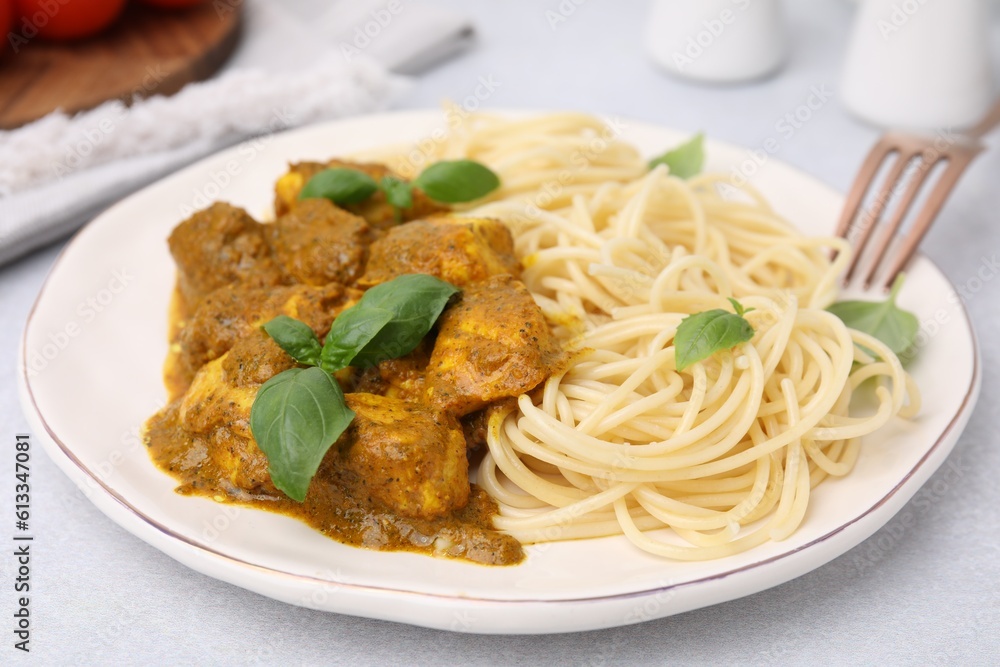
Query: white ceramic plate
{"x": 95, "y": 342}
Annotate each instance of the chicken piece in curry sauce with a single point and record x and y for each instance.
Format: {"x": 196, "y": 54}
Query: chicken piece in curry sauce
{"x": 398, "y": 477}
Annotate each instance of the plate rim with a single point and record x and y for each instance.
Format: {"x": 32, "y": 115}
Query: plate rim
{"x": 53, "y": 444}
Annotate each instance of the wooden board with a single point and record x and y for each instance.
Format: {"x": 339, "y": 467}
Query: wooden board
{"x": 147, "y": 51}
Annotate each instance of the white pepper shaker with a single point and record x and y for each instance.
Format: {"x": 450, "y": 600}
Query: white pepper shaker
{"x": 717, "y": 40}
{"x": 919, "y": 64}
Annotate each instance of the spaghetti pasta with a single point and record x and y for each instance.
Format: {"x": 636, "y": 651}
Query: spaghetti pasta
{"x": 693, "y": 464}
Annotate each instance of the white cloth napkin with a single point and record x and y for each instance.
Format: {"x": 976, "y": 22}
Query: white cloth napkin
{"x": 301, "y": 62}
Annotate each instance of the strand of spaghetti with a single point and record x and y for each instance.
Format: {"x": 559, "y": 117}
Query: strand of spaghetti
{"x": 517, "y": 471}
{"x": 659, "y": 505}
{"x": 641, "y": 540}
{"x": 488, "y": 479}
{"x": 723, "y": 455}
{"x": 793, "y": 462}
{"x": 568, "y": 512}
{"x": 585, "y": 445}
{"x": 578, "y": 530}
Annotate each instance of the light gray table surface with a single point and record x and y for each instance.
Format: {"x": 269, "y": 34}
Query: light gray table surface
{"x": 923, "y": 590}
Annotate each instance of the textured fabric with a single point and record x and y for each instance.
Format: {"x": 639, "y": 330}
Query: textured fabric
{"x": 292, "y": 69}
{"x": 162, "y": 134}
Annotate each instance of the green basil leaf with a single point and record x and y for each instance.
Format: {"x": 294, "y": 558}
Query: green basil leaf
{"x": 738, "y": 307}
{"x": 454, "y": 181}
{"x": 388, "y": 322}
{"x": 399, "y": 193}
{"x": 685, "y": 160}
{"x": 701, "y": 335}
{"x": 351, "y": 332}
{"x": 884, "y": 320}
{"x": 295, "y": 419}
{"x": 340, "y": 185}
{"x": 296, "y": 338}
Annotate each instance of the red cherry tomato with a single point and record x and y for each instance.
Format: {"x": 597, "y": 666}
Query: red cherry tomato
{"x": 67, "y": 19}
{"x": 173, "y": 4}
{"x": 6, "y": 22}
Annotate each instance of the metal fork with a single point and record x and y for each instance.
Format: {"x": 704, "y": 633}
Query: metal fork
{"x": 923, "y": 152}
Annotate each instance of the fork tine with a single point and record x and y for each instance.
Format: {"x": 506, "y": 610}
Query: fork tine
{"x": 912, "y": 189}
{"x": 956, "y": 166}
{"x": 861, "y": 184}
{"x": 870, "y": 219}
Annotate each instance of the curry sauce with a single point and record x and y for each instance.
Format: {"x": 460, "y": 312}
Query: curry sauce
{"x": 465, "y": 534}
{"x": 398, "y": 477}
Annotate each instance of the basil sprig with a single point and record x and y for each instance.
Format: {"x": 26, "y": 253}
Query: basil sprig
{"x": 299, "y": 413}
{"x": 884, "y": 320}
{"x": 455, "y": 181}
{"x": 685, "y": 160}
{"x": 701, "y": 335}
{"x": 296, "y": 417}
{"x": 449, "y": 181}
{"x": 388, "y": 322}
{"x": 296, "y": 338}
{"x": 398, "y": 192}
{"x": 340, "y": 185}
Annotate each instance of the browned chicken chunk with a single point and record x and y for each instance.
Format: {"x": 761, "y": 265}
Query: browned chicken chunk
{"x": 401, "y": 378}
{"x": 216, "y": 413}
{"x": 459, "y": 250}
{"x": 219, "y": 246}
{"x": 375, "y": 210}
{"x": 493, "y": 344}
{"x": 407, "y": 456}
{"x": 218, "y": 460}
{"x": 318, "y": 243}
{"x": 237, "y": 311}
{"x": 253, "y": 360}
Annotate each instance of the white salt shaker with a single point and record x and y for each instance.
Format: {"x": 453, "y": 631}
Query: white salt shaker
{"x": 717, "y": 40}
{"x": 919, "y": 64}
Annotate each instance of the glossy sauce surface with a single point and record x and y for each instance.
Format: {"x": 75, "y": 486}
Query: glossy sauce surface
{"x": 397, "y": 479}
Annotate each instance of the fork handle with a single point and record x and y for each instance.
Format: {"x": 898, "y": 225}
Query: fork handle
{"x": 989, "y": 121}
